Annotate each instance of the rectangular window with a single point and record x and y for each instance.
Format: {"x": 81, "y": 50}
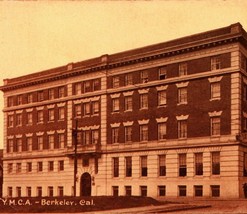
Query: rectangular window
{"x": 215, "y": 63}
{"x": 143, "y": 190}
{"x": 40, "y": 166}
{"x": 182, "y": 165}
{"x": 87, "y": 109}
{"x": 19, "y": 99}
{"x": 85, "y": 162}
{"x": 182, "y": 129}
{"x": 61, "y": 113}
{"x": 87, "y": 86}
{"x": 215, "y": 126}
{"x": 18, "y": 168}
{"x": 10, "y": 101}
{"x": 40, "y": 116}
{"x": 96, "y": 84}
{"x": 115, "y": 135}
{"x": 61, "y": 92}
{"x": 10, "y": 167}
{"x": 198, "y": 191}
{"x": 161, "y": 131}
{"x": 50, "y": 191}
{"x": 215, "y": 90}
{"x": 143, "y": 132}
{"x": 29, "y": 118}
{"x": 162, "y": 165}
{"x": 39, "y": 191}
{"x": 10, "y": 192}
{"x": 51, "y": 115}
{"x": 51, "y": 141}
{"x": 95, "y": 107}
{"x": 115, "y": 104}
{"x": 245, "y": 165}
{"x": 18, "y": 192}
{"x": 115, "y": 191}
{"x": 40, "y": 96}
{"x": 51, "y": 94}
{"x": 128, "y": 166}
{"x": 19, "y": 145}
{"x": 144, "y": 76}
{"x": 128, "y": 103}
{"x": 51, "y": 166}
{"x": 29, "y": 166}
{"x": 127, "y": 190}
{"x": 161, "y": 98}
{"x": 95, "y": 136}
{"x": 10, "y": 121}
{"x": 128, "y": 133}
{"x": 11, "y": 145}
{"x": 243, "y": 62}
{"x": 128, "y": 79}
{"x": 86, "y": 137}
{"x": 182, "y": 96}
{"x": 77, "y": 88}
{"x": 61, "y": 139}
{"x": 215, "y": 190}
{"x": 162, "y": 190}
{"x": 29, "y": 191}
{"x": 29, "y": 144}
{"x": 182, "y": 190}
{"x": 115, "y": 167}
{"x": 143, "y": 101}
{"x": 198, "y": 164}
{"x": 115, "y": 82}
{"x": 18, "y": 119}
{"x": 215, "y": 157}
{"x": 29, "y": 98}
{"x": 40, "y": 142}
{"x": 60, "y": 191}
{"x": 182, "y": 69}
{"x": 77, "y": 110}
{"x": 61, "y": 165}
{"x": 162, "y": 73}
{"x": 144, "y": 167}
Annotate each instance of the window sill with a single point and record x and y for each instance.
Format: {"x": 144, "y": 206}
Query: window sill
{"x": 61, "y": 120}
{"x": 51, "y": 121}
{"x": 143, "y": 109}
{"x": 128, "y": 110}
{"x": 161, "y": 106}
{"x": 215, "y": 99}
{"x": 40, "y": 123}
{"x": 115, "y": 112}
{"x": 182, "y": 103}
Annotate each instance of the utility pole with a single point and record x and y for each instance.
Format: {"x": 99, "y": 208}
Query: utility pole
{"x": 74, "y": 133}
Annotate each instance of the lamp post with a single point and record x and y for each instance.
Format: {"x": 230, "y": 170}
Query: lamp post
{"x": 74, "y": 133}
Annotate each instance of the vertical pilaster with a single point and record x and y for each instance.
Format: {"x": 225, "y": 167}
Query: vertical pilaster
{"x": 69, "y": 117}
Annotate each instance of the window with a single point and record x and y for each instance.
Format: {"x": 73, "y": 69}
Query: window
{"x": 182, "y": 129}
{"x": 115, "y": 104}
{"x": 85, "y": 162}
{"x": 198, "y": 191}
{"x": 29, "y": 98}
{"x": 61, "y": 139}
{"x": 115, "y": 135}
{"x": 215, "y": 90}
{"x": 18, "y": 119}
{"x": 60, "y": 191}
{"x": 215, "y": 63}
{"x": 143, "y": 190}
{"x": 215, "y": 126}
{"x": 115, "y": 191}
{"x": 10, "y": 192}
{"x": 29, "y": 166}
{"x": 29, "y": 144}
{"x": 161, "y": 131}
{"x": 128, "y": 103}
{"x": 95, "y": 107}
{"x": 18, "y": 191}
{"x": 29, "y": 118}
{"x": 61, "y": 113}
{"x": 143, "y": 132}
{"x": 243, "y": 62}
{"x": 215, "y": 163}
{"x": 128, "y": 79}
{"x": 51, "y": 166}
{"x": 87, "y": 86}
{"x": 10, "y": 145}
{"x": 115, "y": 167}
{"x": 77, "y": 110}
{"x": 51, "y": 94}
{"x": 182, "y": 165}
{"x": 40, "y": 96}
{"x": 198, "y": 164}
{"x": 29, "y": 191}
{"x": 95, "y": 136}
{"x": 162, "y": 73}
{"x": 50, "y": 191}
{"x": 115, "y": 82}
{"x": 19, "y": 144}
{"x": 77, "y": 88}
{"x": 10, "y": 121}
{"x": 86, "y": 137}
{"x": 40, "y": 166}
{"x": 61, "y": 92}
{"x": 61, "y": 165}
{"x": 245, "y": 165}
{"x": 162, "y": 190}
{"x": 182, "y": 69}
{"x": 40, "y": 142}
{"x": 128, "y": 133}
{"x": 87, "y": 110}
{"x": 40, "y": 117}
{"x": 127, "y": 190}
{"x": 144, "y": 76}
{"x": 10, "y": 167}
{"x": 162, "y": 165}
{"x": 51, "y": 116}
{"x": 39, "y": 191}
{"x": 51, "y": 141}
{"x": 144, "y": 168}
{"x": 143, "y": 101}
{"x": 182, "y": 190}
{"x": 19, "y": 99}
{"x": 161, "y": 98}
{"x": 215, "y": 190}
{"x": 182, "y": 95}
{"x": 128, "y": 166}
{"x": 96, "y": 84}
{"x": 10, "y": 101}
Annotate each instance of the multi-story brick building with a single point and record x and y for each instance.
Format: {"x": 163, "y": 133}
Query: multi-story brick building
{"x": 163, "y": 120}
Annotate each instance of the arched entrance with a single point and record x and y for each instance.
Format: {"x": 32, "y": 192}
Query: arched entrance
{"x": 86, "y": 184}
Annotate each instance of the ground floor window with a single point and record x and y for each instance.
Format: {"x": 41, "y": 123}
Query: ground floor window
{"x": 198, "y": 191}
{"x": 60, "y": 191}
{"x": 29, "y": 191}
{"x": 18, "y": 191}
{"x": 182, "y": 190}
{"x": 10, "y": 192}
{"x": 143, "y": 190}
{"x": 50, "y": 191}
{"x": 115, "y": 190}
{"x": 128, "y": 190}
{"x": 161, "y": 190}
{"x": 39, "y": 191}
{"x": 215, "y": 191}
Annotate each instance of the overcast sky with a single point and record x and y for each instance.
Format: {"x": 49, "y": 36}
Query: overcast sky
{"x": 38, "y": 35}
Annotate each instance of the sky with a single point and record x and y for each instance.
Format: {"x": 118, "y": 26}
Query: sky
{"x": 39, "y": 35}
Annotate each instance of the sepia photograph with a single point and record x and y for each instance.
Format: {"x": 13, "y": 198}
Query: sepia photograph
{"x": 123, "y": 106}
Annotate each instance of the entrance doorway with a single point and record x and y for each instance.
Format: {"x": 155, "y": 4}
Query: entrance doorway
{"x": 86, "y": 184}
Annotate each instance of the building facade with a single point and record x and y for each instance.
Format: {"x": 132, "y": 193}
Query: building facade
{"x": 166, "y": 120}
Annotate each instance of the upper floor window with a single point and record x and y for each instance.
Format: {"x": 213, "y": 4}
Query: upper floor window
{"x": 29, "y": 166}
{"x": 115, "y": 166}
{"x": 215, "y": 126}
{"x": 77, "y": 88}
{"x": 243, "y": 62}
{"x": 215, "y": 90}
{"x": 51, "y": 141}
{"x": 115, "y": 82}
{"x": 10, "y": 145}
{"x": 29, "y": 144}
{"x": 61, "y": 113}
{"x": 87, "y": 108}
{"x": 198, "y": 164}
{"x": 182, "y": 95}
{"x": 29, "y": 118}
{"x": 161, "y": 131}
{"x": 115, "y": 135}
{"x": 115, "y": 104}
{"x": 61, "y": 140}
{"x": 87, "y": 86}
{"x": 40, "y": 116}
{"x": 182, "y": 164}
{"x": 10, "y": 167}
{"x": 51, "y": 166}
{"x": 128, "y": 166}
{"x": 144, "y": 168}
{"x": 10, "y": 120}
{"x": 61, "y": 91}
{"x": 144, "y": 132}
{"x": 86, "y": 137}
{"x": 95, "y": 107}
{"x": 162, "y": 73}
{"x": 96, "y": 84}
{"x": 161, "y": 98}
{"x": 128, "y": 133}
{"x": 51, "y": 115}
{"x": 95, "y": 136}
{"x": 144, "y": 76}
{"x": 215, "y": 63}
{"x": 19, "y": 99}
{"x": 18, "y": 119}
{"x": 40, "y": 96}
{"x": 40, "y": 166}
{"x": 19, "y": 144}
{"x": 143, "y": 101}
{"x": 128, "y": 103}
{"x": 61, "y": 165}
{"x": 40, "y": 142}
{"x": 77, "y": 110}
{"x": 29, "y": 98}
{"x": 51, "y": 94}
{"x": 182, "y": 69}
{"x": 162, "y": 165}
{"x": 182, "y": 129}
{"x": 18, "y": 167}
{"x": 245, "y": 164}
{"x": 10, "y": 101}
{"x": 128, "y": 79}
{"x": 215, "y": 159}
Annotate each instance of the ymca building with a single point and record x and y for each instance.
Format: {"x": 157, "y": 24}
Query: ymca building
{"x": 165, "y": 120}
